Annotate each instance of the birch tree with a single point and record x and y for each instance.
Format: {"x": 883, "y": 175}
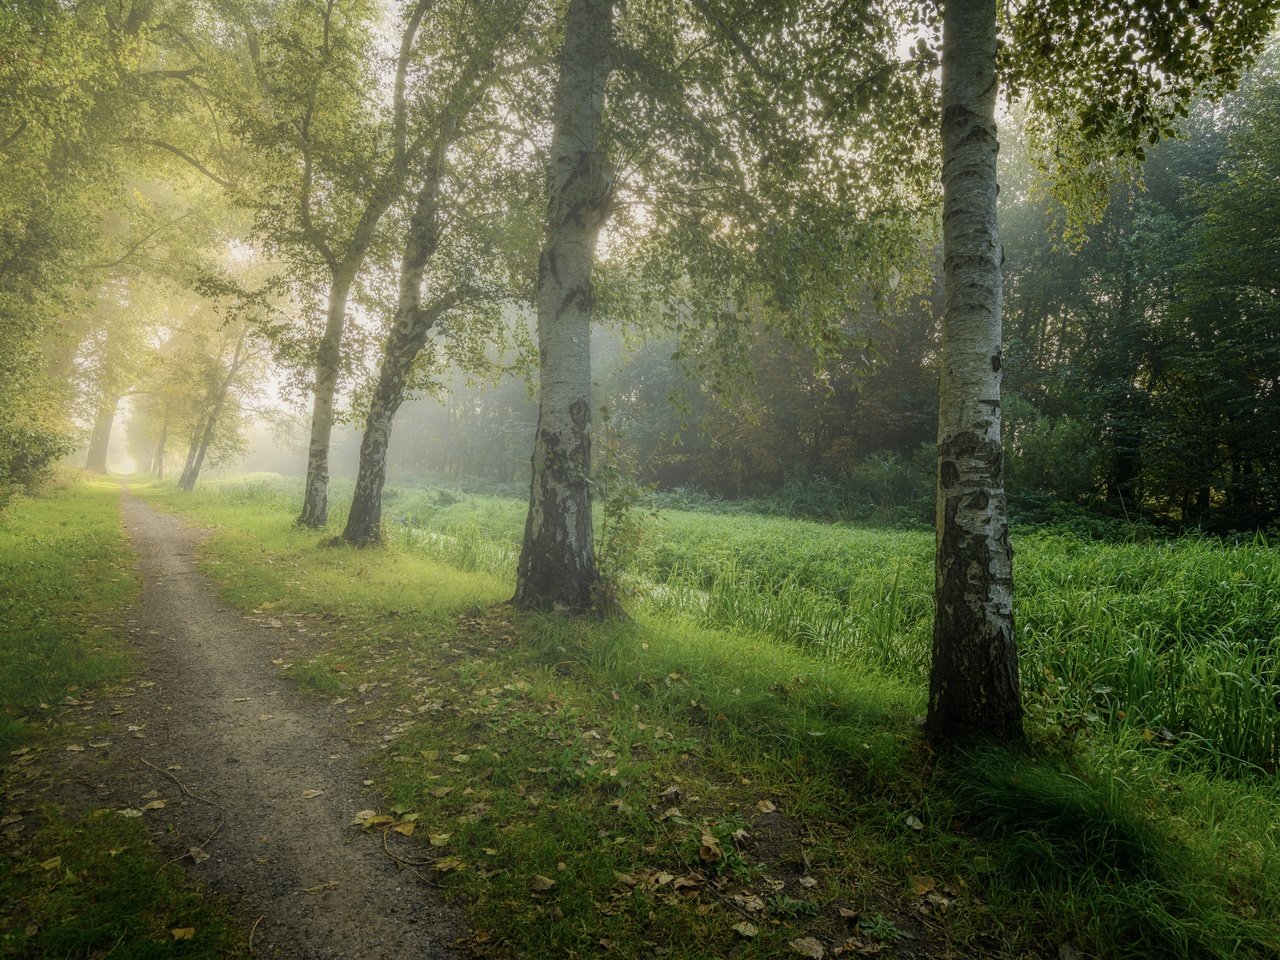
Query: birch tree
{"x": 1103, "y": 80}
{"x": 463, "y": 235}
{"x": 557, "y": 560}
{"x": 335, "y": 161}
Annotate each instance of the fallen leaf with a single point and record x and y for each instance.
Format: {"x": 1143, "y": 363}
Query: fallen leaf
{"x": 131, "y": 814}
{"x": 439, "y": 839}
{"x": 808, "y": 882}
{"x": 709, "y": 851}
{"x": 183, "y": 933}
{"x": 766, "y": 806}
{"x": 53, "y": 863}
{"x": 406, "y": 829}
{"x": 808, "y": 947}
{"x": 154, "y": 805}
{"x": 75, "y": 748}
{"x": 440, "y": 792}
{"x": 197, "y": 855}
{"x": 311, "y": 794}
{"x": 914, "y": 822}
{"x": 924, "y": 885}
{"x": 445, "y": 864}
{"x": 746, "y": 930}
{"x": 541, "y": 884}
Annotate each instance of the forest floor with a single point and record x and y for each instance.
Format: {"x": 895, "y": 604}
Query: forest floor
{"x": 251, "y": 783}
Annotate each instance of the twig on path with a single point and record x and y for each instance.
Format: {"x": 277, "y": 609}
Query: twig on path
{"x": 408, "y": 864}
{"x": 194, "y": 796}
{"x": 252, "y": 931}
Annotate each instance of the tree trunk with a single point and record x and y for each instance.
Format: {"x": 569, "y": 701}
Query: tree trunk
{"x": 315, "y": 502}
{"x": 973, "y": 682}
{"x": 157, "y": 466}
{"x": 557, "y": 561}
{"x": 192, "y": 449}
{"x": 196, "y": 463}
{"x": 100, "y": 438}
{"x": 413, "y": 323}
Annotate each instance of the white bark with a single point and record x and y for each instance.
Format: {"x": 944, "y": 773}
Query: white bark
{"x": 557, "y": 563}
{"x": 974, "y": 680}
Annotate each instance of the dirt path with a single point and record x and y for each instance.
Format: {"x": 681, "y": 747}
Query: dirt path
{"x": 210, "y": 717}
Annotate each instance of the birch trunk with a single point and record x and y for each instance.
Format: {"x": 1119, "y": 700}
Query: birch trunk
{"x": 557, "y": 567}
{"x": 195, "y": 463}
{"x": 192, "y": 449}
{"x": 413, "y": 323}
{"x": 100, "y": 439}
{"x": 315, "y": 499}
{"x": 973, "y": 683}
{"x": 157, "y": 466}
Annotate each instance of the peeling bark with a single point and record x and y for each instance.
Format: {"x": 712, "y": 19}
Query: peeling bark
{"x": 557, "y": 567}
{"x": 973, "y": 682}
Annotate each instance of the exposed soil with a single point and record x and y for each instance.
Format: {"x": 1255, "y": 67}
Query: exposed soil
{"x": 262, "y": 779}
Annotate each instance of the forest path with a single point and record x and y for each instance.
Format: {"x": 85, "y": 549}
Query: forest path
{"x": 213, "y": 719}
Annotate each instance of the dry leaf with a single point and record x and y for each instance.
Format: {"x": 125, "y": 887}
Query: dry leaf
{"x": 131, "y": 814}
{"x": 439, "y": 839}
{"x": 914, "y": 822}
{"x": 198, "y": 855}
{"x": 183, "y": 933}
{"x": 154, "y": 805}
{"x": 311, "y": 794}
{"x": 709, "y": 851}
{"x": 75, "y": 748}
{"x": 808, "y": 882}
{"x": 53, "y": 863}
{"x": 541, "y": 884}
{"x": 766, "y": 806}
{"x": 746, "y": 930}
{"x": 405, "y": 828}
{"x": 445, "y": 864}
{"x": 440, "y": 792}
{"x": 924, "y": 884}
{"x": 808, "y": 947}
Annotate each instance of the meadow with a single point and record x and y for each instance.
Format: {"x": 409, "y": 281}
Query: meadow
{"x": 791, "y": 655}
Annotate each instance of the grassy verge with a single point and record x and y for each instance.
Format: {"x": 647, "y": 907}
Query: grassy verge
{"x": 671, "y": 787}
{"x": 74, "y": 886}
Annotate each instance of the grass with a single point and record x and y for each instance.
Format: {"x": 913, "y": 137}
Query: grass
{"x": 648, "y": 785}
{"x": 76, "y": 886}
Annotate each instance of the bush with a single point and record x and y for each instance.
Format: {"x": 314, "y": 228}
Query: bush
{"x": 27, "y": 456}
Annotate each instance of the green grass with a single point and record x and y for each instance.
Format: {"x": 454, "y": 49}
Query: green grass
{"x": 64, "y": 572}
{"x": 75, "y": 886}
{"x": 546, "y": 749}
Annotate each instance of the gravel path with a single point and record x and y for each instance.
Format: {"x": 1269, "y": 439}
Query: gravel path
{"x": 212, "y": 729}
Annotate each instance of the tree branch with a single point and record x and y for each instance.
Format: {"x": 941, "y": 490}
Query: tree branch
{"x": 188, "y": 159}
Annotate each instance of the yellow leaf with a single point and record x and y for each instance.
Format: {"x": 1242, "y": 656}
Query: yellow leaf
{"x": 311, "y": 794}
{"x": 183, "y": 933}
{"x": 53, "y": 863}
{"x": 154, "y": 805}
{"x": 541, "y": 884}
{"x": 406, "y": 828}
{"x": 924, "y": 884}
{"x": 445, "y": 864}
{"x": 439, "y": 839}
